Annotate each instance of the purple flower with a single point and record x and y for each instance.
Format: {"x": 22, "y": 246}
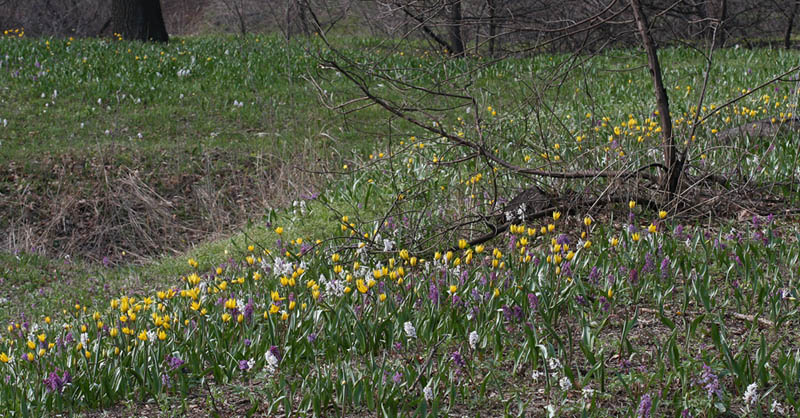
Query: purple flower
{"x": 433, "y": 292}
{"x": 247, "y": 342}
{"x": 457, "y": 359}
{"x": 710, "y": 382}
{"x": 649, "y": 264}
{"x": 644, "y": 406}
{"x": 312, "y": 337}
{"x": 633, "y": 276}
{"x": 566, "y": 269}
{"x": 56, "y": 383}
{"x": 243, "y": 365}
{"x": 594, "y": 275}
{"x": 533, "y": 301}
{"x": 174, "y": 362}
{"x": 248, "y": 310}
{"x": 665, "y": 267}
{"x": 165, "y": 380}
{"x": 275, "y": 352}
{"x": 397, "y": 378}
{"x": 604, "y": 305}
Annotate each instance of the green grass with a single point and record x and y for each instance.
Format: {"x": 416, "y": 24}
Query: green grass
{"x": 508, "y": 329}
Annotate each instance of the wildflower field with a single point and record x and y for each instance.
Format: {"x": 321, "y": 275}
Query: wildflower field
{"x": 348, "y": 299}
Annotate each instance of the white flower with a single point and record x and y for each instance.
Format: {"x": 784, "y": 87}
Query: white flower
{"x": 587, "y": 392}
{"x": 84, "y": 339}
{"x": 251, "y": 363}
{"x": 554, "y": 364}
{"x": 184, "y": 72}
{"x": 751, "y": 394}
{"x": 536, "y": 375}
{"x": 151, "y": 335}
{"x": 565, "y": 384}
{"x": 777, "y": 408}
{"x": 410, "y": 330}
{"x": 272, "y": 362}
{"x": 551, "y": 411}
{"x": 388, "y": 245}
{"x": 427, "y": 391}
{"x": 473, "y": 339}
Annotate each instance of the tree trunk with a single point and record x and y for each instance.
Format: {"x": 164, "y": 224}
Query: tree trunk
{"x": 139, "y": 20}
{"x": 787, "y": 36}
{"x": 717, "y": 11}
{"x": 492, "y": 25}
{"x": 674, "y": 165}
{"x": 456, "y": 39}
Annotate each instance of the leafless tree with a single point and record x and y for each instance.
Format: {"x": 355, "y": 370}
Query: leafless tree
{"x": 670, "y": 182}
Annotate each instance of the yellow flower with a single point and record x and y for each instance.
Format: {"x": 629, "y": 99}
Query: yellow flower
{"x": 114, "y": 332}
{"x": 462, "y": 243}
{"x": 496, "y": 292}
{"x": 162, "y": 335}
{"x": 142, "y": 335}
{"x": 614, "y": 242}
{"x": 42, "y": 352}
{"x": 30, "y": 356}
{"x": 226, "y": 317}
{"x": 87, "y": 354}
{"x": 453, "y": 288}
{"x": 556, "y": 215}
{"x": 273, "y": 309}
{"x": 632, "y": 204}
{"x": 610, "y": 292}
{"x": 240, "y": 318}
{"x": 4, "y": 358}
{"x": 662, "y": 214}
{"x": 284, "y": 316}
{"x": 635, "y": 237}
{"x": 231, "y": 303}
{"x": 382, "y": 297}
{"x": 651, "y": 228}
{"x": 31, "y": 344}
{"x": 587, "y": 244}
{"x": 361, "y": 286}
{"x": 279, "y": 230}
{"x": 587, "y": 221}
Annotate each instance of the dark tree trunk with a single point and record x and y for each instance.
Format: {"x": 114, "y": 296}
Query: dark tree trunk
{"x": 456, "y": 39}
{"x": 492, "y": 25}
{"x": 673, "y": 163}
{"x": 717, "y": 10}
{"x": 139, "y": 20}
{"x": 787, "y": 36}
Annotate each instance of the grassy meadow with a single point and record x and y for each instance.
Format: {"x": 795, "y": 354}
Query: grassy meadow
{"x": 275, "y": 280}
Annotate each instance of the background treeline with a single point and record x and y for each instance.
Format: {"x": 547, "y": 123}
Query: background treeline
{"x": 487, "y": 26}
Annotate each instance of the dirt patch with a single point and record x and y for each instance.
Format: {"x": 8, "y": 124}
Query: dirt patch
{"x": 96, "y": 206}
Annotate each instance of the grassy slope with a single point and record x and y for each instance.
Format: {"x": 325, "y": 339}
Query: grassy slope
{"x": 280, "y": 115}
